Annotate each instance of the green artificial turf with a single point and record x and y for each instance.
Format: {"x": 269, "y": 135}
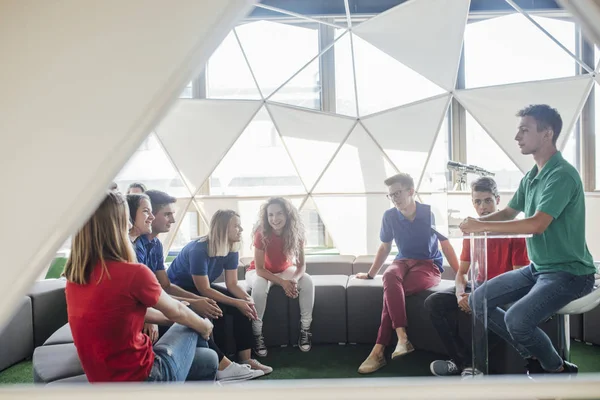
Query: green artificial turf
{"x": 333, "y": 361}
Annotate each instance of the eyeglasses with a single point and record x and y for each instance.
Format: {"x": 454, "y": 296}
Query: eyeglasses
{"x": 395, "y": 194}
{"x": 488, "y": 202}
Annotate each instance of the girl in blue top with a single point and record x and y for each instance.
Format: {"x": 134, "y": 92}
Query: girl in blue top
{"x": 200, "y": 263}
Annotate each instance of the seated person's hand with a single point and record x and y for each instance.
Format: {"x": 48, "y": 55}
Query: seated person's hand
{"x": 207, "y": 331}
{"x": 362, "y": 275}
{"x": 152, "y": 331}
{"x": 463, "y": 302}
{"x": 206, "y": 308}
{"x": 471, "y": 225}
{"x": 247, "y": 308}
{"x": 290, "y": 288}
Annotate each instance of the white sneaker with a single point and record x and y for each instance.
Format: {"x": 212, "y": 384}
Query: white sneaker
{"x": 471, "y": 373}
{"x": 236, "y": 372}
{"x": 258, "y": 366}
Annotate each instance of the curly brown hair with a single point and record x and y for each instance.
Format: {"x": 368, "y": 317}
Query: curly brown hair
{"x": 293, "y": 232}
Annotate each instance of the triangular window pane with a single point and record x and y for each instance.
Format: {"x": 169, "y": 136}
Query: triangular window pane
{"x": 511, "y": 49}
{"x": 383, "y": 82}
{"x": 276, "y": 51}
{"x": 435, "y": 178}
{"x": 151, "y": 166}
{"x": 483, "y": 152}
{"x": 257, "y": 164}
{"x": 359, "y": 167}
{"x": 227, "y": 73}
{"x": 345, "y": 95}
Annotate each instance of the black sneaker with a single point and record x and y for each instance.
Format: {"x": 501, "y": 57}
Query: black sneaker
{"x": 305, "y": 340}
{"x": 534, "y": 367}
{"x": 569, "y": 368}
{"x": 260, "y": 349}
{"x": 444, "y": 368}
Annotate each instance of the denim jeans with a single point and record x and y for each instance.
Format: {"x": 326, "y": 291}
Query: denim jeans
{"x": 182, "y": 355}
{"x": 536, "y": 296}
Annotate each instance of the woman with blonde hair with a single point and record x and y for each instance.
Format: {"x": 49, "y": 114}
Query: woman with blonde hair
{"x": 109, "y": 296}
{"x": 279, "y": 259}
{"x": 195, "y": 269}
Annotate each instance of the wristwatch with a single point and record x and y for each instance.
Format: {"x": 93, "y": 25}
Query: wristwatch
{"x": 369, "y": 276}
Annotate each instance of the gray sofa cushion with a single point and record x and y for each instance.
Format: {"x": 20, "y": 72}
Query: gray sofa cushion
{"x": 77, "y": 380}
{"x": 16, "y": 337}
{"x": 276, "y": 318}
{"x": 329, "y": 265}
{"x": 51, "y": 363}
{"x": 591, "y": 326}
{"x": 61, "y": 336}
{"x": 49, "y": 308}
{"x": 365, "y": 302}
{"x": 363, "y": 263}
{"x": 329, "y": 318}
{"x": 576, "y": 326}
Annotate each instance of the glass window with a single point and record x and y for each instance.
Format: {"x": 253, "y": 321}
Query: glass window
{"x": 257, "y": 164}
{"x": 483, "y": 152}
{"x": 570, "y": 150}
{"x": 511, "y": 49}
{"x": 151, "y": 166}
{"x": 276, "y": 51}
{"x": 596, "y": 93}
{"x": 227, "y": 73}
{"x": 435, "y": 178}
{"x": 383, "y": 82}
{"x": 187, "y": 231}
{"x": 345, "y": 95}
{"x": 187, "y": 92}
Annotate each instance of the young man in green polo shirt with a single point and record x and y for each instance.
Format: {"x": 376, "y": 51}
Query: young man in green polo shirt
{"x": 562, "y": 269}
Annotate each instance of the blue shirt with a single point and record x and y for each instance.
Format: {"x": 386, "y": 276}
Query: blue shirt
{"x": 415, "y": 239}
{"x": 150, "y": 253}
{"x": 193, "y": 259}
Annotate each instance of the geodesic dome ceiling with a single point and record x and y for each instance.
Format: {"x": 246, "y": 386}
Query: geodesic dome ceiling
{"x": 335, "y": 160}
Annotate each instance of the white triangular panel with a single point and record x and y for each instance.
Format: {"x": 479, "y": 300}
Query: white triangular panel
{"x": 311, "y": 138}
{"x": 353, "y": 221}
{"x": 228, "y": 75}
{"x": 197, "y": 133}
{"x": 258, "y": 164}
{"x": 425, "y": 35}
{"x": 407, "y": 134}
{"x": 382, "y": 82}
{"x": 495, "y": 107}
{"x": 267, "y": 44}
{"x": 359, "y": 167}
{"x": 248, "y": 209}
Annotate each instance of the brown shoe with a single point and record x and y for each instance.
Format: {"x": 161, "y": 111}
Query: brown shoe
{"x": 372, "y": 364}
{"x": 402, "y": 349}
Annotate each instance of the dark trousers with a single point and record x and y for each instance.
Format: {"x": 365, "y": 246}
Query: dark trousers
{"x": 242, "y": 327}
{"x": 448, "y": 322}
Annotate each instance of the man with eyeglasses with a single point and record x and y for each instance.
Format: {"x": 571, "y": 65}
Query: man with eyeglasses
{"x": 445, "y": 307}
{"x": 418, "y": 265}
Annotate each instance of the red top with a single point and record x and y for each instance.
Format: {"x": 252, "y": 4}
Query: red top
{"x": 503, "y": 254}
{"x": 275, "y": 260}
{"x": 107, "y": 318}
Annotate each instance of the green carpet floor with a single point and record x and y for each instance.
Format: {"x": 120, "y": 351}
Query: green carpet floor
{"x": 334, "y": 361}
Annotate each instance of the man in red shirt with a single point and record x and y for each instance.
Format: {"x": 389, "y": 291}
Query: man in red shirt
{"x": 444, "y": 307}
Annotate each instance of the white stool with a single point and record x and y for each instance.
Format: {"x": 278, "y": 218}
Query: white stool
{"x": 579, "y": 306}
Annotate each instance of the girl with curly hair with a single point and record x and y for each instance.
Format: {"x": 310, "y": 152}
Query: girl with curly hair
{"x": 279, "y": 259}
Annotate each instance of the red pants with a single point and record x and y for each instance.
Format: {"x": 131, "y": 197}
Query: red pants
{"x": 403, "y": 278}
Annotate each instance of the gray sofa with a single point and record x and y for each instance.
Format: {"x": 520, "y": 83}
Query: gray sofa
{"x": 346, "y": 310}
